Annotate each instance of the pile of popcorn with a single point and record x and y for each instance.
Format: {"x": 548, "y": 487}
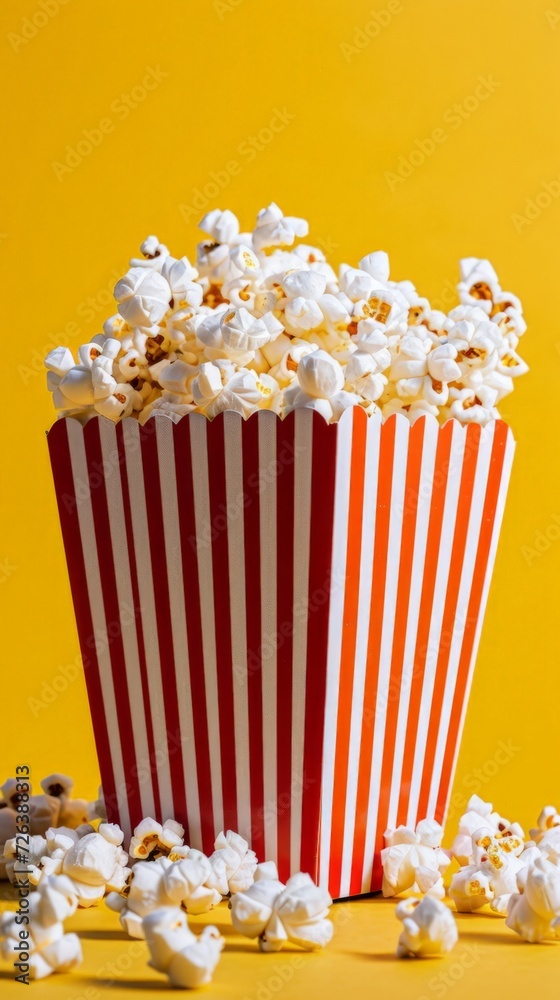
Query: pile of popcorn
{"x": 263, "y": 323}
{"x": 519, "y": 878}
{"x": 154, "y": 886}
{"x": 159, "y": 882}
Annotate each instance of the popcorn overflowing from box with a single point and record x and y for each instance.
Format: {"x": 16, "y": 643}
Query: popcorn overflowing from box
{"x": 263, "y": 323}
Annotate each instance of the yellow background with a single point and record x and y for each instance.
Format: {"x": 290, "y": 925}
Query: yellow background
{"x": 353, "y": 104}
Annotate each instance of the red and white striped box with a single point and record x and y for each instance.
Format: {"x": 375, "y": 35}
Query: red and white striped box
{"x": 279, "y": 620}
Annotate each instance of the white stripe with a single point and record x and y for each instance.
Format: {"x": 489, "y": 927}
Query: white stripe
{"x": 423, "y": 506}
{"x": 336, "y": 620}
{"x": 455, "y": 640}
{"x": 371, "y": 480}
{"x": 127, "y": 612}
{"x": 203, "y": 531}
{"x": 236, "y": 554}
{"x": 303, "y": 445}
{"x": 95, "y": 597}
{"x": 172, "y": 535}
{"x": 389, "y": 605}
{"x": 131, "y": 438}
{"x": 500, "y": 504}
{"x": 453, "y": 484}
{"x": 267, "y": 486}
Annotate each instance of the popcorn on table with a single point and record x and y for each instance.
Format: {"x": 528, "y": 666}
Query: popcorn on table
{"x": 260, "y": 322}
{"x": 414, "y": 859}
{"x": 429, "y": 928}
{"x": 94, "y": 863}
{"x": 296, "y": 912}
{"x": 180, "y": 880}
{"x": 492, "y": 877}
{"x": 50, "y": 949}
{"x": 480, "y": 815}
{"x": 187, "y": 961}
{"x": 534, "y": 911}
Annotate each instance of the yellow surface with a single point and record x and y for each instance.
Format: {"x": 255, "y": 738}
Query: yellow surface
{"x": 346, "y": 106}
{"x": 488, "y": 961}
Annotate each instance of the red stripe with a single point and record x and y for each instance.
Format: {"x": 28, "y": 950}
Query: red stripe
{"x": 472, "y": 438}
{"x": 348, "y": 650}
{"x": 285, "y": 432}
{"x": 152, "y": 490}
{"x": 408, "y": 535}
{"x": 380, "y": 555}
{"x": 323, "y": 474}
{"x": 67, "y": 500}
{"x": 112, "y": 612}
{"x": 222, "y": 615}
{"x": 187, "y": 527}
{"x": 138, "y": 621}
{"x": 495, "y": 475}
{"x": 251, "y": 525}
{"x": 437, "y": 506}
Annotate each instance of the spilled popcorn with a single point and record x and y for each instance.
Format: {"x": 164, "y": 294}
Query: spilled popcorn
{"x": 429, "y": 928}
{"x": 168, "y": 881}
{"x": 49, "y": 949}
{"x": 276, "y": 914}
{"x": 414, "y": 859}
{"x": 187, "y": 961}
{"x": 94, "y": 864}
{"x": 263, "y": 323}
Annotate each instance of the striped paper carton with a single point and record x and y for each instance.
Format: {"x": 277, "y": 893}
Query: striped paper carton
{"x": 279, "y": 620}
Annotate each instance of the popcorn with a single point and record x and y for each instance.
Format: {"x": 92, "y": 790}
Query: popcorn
{"x": 429, "y": 928}
{"x": 50, "y": 949}
{"x": 274, "y": 229}
{"x": 534, "y": 911}
{"x": 243, "y": 332}
{"x": 153, "y": 253}
{"x": 276, "y": 913}
{"x": 319, "y": 375}
{"x": 414, "y": 859}
{"x": 261, "y": 303}
{"x": 94, "y": 863}
{"x": 142, "y": 297}
{"x": 548, "y": 819}
{"x": 182, "y": 879}
{"x": 479, "y": 815}
{"x": 152, "y": 840}
{"x": 188, "y": 961}
{"x": 30, "y": 855}
{"x": 233, "y": 864}
{"x": 492, "y": 878}
{"x": 223, "y": 227}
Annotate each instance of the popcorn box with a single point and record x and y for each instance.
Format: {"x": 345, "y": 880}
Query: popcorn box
{"x": 279, "y": 620}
